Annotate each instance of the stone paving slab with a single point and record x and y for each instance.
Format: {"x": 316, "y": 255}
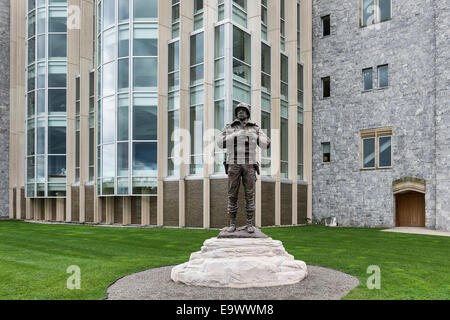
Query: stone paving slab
{"x": 424, "y": 231}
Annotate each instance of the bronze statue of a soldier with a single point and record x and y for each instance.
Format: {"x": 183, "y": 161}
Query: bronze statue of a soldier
{"x": 240, "y": 139}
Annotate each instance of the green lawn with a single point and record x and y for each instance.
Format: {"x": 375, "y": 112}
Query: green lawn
{"x": 34, "y": 257}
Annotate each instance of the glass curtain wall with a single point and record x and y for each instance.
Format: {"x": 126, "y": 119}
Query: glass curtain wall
{"x": 232, "y": 66}
{"x": 196, "y": 103}
{"x": 46, "y": 87}
{"x": 127, "y": 70}
{"x": 284, "y": 112}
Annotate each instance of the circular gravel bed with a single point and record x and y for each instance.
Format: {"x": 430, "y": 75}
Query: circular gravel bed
{"x": 155, "y": 284}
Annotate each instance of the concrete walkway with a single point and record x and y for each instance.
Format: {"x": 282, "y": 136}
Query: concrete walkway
{"x": 425, "y": 231}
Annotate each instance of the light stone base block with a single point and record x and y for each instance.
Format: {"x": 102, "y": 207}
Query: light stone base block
{"x": 240, "y": 263}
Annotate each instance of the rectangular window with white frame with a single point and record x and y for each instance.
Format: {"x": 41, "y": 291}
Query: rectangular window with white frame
{"x": 376, "y": 148}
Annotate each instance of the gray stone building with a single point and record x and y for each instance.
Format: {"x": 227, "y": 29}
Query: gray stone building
{"x": 381, "y": 112}
{"x": 4, "y": 108}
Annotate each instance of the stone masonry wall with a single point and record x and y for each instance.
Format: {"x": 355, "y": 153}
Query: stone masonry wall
{"x": 406, "y": 43}
{"x": 4, "y": 108}
{"x": 442, "y": 11}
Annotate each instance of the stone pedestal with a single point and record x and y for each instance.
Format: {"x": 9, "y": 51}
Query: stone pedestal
{"x": 240, "y": 263}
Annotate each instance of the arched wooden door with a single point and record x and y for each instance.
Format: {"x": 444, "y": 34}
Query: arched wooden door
{"x": 410, "y": 209}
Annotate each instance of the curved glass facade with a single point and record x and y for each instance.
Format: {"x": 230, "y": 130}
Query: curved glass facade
{"x": 127, "y": 66}
{"x": 46, "y": 68}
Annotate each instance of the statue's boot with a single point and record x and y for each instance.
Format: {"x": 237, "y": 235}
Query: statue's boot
{"x": 250, "y": 228}
{"x": 232, "y": 226}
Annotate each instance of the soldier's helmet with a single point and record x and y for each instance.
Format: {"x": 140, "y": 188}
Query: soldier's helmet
{"x": 244, "y": 106}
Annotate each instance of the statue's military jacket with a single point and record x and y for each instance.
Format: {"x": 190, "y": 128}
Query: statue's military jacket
{"x": 242, "y": 148}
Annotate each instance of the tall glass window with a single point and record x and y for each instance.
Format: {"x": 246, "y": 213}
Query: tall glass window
{"x": 240, "y": 12}
{"x": 300, "y": 160}
{"x": 298, "y": 30}
{"x": 196, "y": 103}
{"x": 175, "y": 18}
{"x": 198, "y": 14}
{"x": 46, "y": 86}
{"x": 77, "y": 128}
{"x": 127, "y": 74}
{"x": 219, "y": 90}
{"x": 284, "y": 112}
{"x": 266, "y": 109}
{"x": 91, "y": 124}
{"x": 173, "y": 109}
{"x": 221, "y": 9}
{"x": 264, "y": 19}
{"x": 241, "y": 67}
{"x": 283, "y": 25}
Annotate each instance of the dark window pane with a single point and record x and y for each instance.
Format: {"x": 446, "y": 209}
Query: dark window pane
{"x": 57, "y": 21}
{"x": 145, "y": 40}
{"x": 30, "y": 137}
{"x": 326, "y": 26}
{"x": 197, "y": 75}
{"x": 56, "y": 167}
{"x": 144, "y": 159}
{"x": 57, "y": 74}
{"x": 31, "y": 78}
{"x": 124, "y": 82}
{"x": 284, "y": 68}
{"x": 265, "y": 59}
{"x": 57, "y": 46}
{"x": 284, "y": 140}
{"x": 174, "y": 56}
{"x": 31, "y": 50}
{"x": 57, "y": 100}
{"x": 385, "y": 9}
{"x": 123, "y": 116}
{"x": 122, "y": 159}
{"x": 57, "y": 140}
{"x": 384, "y": 151}
{"x": 367, "y": 79}
{"x": 198, "y": 5}
{"x": 383, "y": 77}
{"x": 197, "y": 48}
{"x": 326, "y": 87}
{"x": 326, "y": 152}
{"x": 31, "y": 104}
{"x": 369, "y": 153}
{"x": 145, "y": 123}
{"x": 241, "y": 45}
